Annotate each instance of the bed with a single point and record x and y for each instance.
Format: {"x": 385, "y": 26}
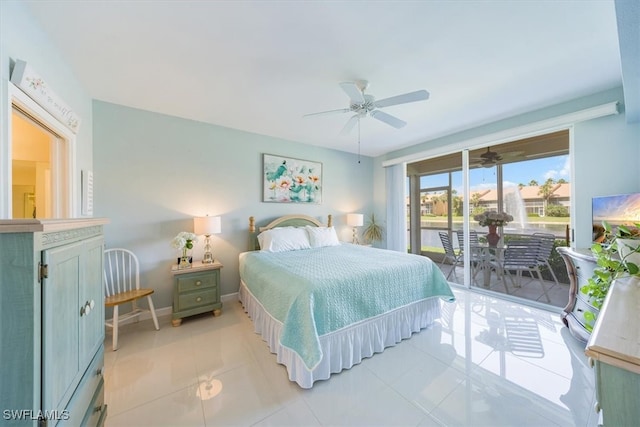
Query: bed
{"x": 322, "y": 306}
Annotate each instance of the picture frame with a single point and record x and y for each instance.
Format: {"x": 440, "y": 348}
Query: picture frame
{"x": 290, "y": 180}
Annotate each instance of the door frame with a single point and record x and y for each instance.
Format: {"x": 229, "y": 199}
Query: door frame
{"x": 65, "y": 192}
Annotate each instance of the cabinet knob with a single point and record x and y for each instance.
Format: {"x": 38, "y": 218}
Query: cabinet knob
{"x": 596, "y": 407}
{"x": 198, "y": 282}
{"x": 100, "y": 372}
{"x": 198, "y": 299}
{"x": 86, "y": 308}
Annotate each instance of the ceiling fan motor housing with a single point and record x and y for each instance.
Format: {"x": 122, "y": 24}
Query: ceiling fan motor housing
{"x": 366, "y": 107}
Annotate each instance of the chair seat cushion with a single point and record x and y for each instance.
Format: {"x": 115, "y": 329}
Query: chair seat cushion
{"x": 128, "y": 296}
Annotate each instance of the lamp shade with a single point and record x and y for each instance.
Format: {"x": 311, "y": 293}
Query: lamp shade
{"x": 355, "y": 220}
{"x": 207, "y": 225}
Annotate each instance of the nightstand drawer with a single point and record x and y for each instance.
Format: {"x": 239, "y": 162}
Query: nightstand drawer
{"x": 197, "y": 281}
{"x": 196, "y": 299}
{"x": 196, "y": 290}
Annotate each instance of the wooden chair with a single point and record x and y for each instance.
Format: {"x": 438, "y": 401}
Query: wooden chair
{"x": 122, "y": 285}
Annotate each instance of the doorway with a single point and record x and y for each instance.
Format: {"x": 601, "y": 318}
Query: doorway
{"x": 38, "y": 169}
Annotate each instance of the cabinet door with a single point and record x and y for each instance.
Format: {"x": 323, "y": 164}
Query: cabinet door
{"x": 91, "y": 294}
{"x": 61, "y": 366}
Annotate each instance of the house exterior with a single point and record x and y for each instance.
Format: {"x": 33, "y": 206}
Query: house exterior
{"x": 531, "y": 196}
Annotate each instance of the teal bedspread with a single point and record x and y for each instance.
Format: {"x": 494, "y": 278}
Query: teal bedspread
{"x": 316, "y": 291}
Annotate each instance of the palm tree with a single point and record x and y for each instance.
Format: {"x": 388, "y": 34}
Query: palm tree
{"x": 546, "y": 190}
{"x": 475, "y": 202}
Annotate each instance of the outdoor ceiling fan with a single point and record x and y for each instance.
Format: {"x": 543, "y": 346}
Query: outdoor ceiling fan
{"x": 363, "y": 105}
{"x": 492, "y": 158}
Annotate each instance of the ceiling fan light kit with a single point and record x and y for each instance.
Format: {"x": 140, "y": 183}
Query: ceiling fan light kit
{"x": 364, "y": 105}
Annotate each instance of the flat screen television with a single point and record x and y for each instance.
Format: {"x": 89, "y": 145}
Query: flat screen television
{"x": 619, "y": 209}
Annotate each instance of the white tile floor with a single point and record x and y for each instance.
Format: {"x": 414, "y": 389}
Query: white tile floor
{"x": 488, "y": 362}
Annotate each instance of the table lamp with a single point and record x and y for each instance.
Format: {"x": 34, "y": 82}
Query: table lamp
{"x": 207, "y": 225}
{"x": 355, "y": 220}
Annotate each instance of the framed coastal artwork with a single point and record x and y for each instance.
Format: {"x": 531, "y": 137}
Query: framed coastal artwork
{"x": 287, "y": 180}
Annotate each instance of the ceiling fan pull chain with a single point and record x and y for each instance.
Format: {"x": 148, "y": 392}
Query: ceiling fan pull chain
{"x": 358, "y": 139}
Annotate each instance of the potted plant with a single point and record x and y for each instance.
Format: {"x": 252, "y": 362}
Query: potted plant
{"x": 617, "y": 255}
{"x": 184, "y": 243}
{"x": 493, "y": 220}
{"x": 373, "y": 232}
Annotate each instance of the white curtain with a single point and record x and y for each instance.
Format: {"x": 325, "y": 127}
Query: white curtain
{"x": 396, "y": 207}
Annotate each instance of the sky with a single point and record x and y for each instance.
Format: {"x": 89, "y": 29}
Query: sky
{"x": 521, "y": 172}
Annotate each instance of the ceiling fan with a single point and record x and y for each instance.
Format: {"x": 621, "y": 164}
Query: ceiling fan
{"x": 491, "y": 158}
{"x": 363, "y": 105}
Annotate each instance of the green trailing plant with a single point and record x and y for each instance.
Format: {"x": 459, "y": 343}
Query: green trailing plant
{"x": 614, "y": 258}
{"x": 373, "y": 232}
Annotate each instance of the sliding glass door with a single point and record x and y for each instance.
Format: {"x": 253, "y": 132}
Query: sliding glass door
{"x": 527, "y": 180}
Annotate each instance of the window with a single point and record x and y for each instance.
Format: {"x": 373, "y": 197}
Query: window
{"x": 31, "y": 175}
{"x": 38, "y": 163}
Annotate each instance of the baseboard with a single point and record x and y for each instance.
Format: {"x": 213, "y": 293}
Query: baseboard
{"x": 166, "y": 311}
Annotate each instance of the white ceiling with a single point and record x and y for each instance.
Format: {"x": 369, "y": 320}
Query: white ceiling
{"x": 259, "y": 66}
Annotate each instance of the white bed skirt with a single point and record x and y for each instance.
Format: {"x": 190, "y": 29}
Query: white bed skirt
{"x": 344, "y": 348}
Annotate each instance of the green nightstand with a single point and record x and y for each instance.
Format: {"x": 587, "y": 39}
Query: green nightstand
{"x": 196, "y": 290}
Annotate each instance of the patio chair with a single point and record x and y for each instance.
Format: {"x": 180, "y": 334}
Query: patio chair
{"x": 547, "y": 241}
{"x": 473, "y": 240}
{"x": 523, "y": 255}
{"x": 450, "y": 254}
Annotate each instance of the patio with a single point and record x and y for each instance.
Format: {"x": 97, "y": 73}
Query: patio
{"x": 530, "y": 288}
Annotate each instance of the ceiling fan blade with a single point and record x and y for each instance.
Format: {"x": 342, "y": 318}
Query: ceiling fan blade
{"x": 322, "y": 113}
{"x": 349, "y": 125}
{"x": 388, "y": 119}
{"x": 353, "y": 92}
{"x": 419, "y": 95}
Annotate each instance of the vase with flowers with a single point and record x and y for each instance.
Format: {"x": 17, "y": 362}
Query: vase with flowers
{"x": 493, "y": 220}
{"x": 184, "y": 243}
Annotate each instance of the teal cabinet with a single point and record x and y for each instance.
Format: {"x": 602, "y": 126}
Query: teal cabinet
{"x": 614, "y": 349}
{"x": 196, "y": 290}
{"x": 52, "y": 322}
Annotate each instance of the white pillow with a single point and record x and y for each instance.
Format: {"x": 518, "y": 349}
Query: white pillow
{"x": 284, "y": 239}
{"x": 322, "y": 236}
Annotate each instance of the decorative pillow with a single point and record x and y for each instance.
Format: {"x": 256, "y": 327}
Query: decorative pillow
{"x": 322, "y": 236}
{"x": 284, "y": 239}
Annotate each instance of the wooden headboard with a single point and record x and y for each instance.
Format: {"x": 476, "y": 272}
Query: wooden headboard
{"x": 283, "y": 221}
